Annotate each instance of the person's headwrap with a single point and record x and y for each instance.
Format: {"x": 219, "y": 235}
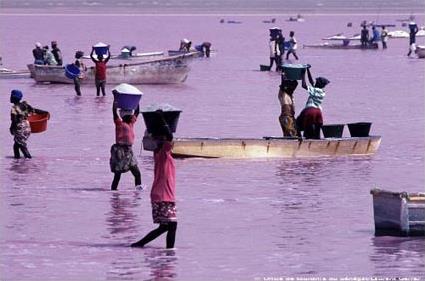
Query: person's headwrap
{"x": 15, "y": 96}
{"x": 321, "y": 82}
{"x": 38, "y": 44}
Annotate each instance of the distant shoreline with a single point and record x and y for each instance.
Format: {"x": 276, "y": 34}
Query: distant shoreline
{"x": 121, "y": 12}
{"x": 110, "y": 11}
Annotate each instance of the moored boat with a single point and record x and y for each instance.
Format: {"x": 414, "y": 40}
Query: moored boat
{"x": 270, "y": 147}
{"x": 160, "y": 71}
{"x": 327, "y": 45}
{"x": 398, "y": 213}
{"x": 147, "y": 55}
{"x": 6, "y": 73}
{"x": 398, "y": 34}
{"x": 191, "y": 54}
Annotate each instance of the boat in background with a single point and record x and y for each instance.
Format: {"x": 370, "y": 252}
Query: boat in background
{"x": 6, "y": 73}
{"x": 398, "y": 34}
{"x": 298, "y": 18}
{"x": 344, "y": 43}
{"x": 167, "y": 70}
{"x": 191, "y": 54}
{"x": 147, "y": 55}
{"x": 274, "y": 147}
{"x": 398, "y": 213}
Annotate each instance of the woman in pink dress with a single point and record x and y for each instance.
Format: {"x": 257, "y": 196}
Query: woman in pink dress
{"x": 163, "y": 190}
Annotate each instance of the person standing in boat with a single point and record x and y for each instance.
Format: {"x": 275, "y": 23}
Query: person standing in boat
{"x": 122, "y": 157}
{"x": 310, "y": 119}
{"x": 20, "y": 127}
{"x": 274, "y": 53}
{"x": 38, "y": 54}
{"x": 292, "y": 46}
{"x": 56, "y": 53}
{"x": 413, "y": 27}
{"x": 79, "y": 63}
{"x": 364, "y": 36}
{"x": 287, "y": 114}
{"x": 100, "y": 71}
{"x": 163, "y": 190}
{"x": 384, "y": 37}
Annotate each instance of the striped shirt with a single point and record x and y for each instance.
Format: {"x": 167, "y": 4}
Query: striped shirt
{"x": 315, "y": 98}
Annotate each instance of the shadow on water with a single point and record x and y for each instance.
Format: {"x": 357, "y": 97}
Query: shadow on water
{"x": 405, "y": 254}
{"x": 19, "y": 167}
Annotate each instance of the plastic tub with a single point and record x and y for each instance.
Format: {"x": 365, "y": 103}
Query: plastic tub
{"x": 128, "y": 101}
{"x": 333, "y": 130}
{"x": 294, "y": 71}
{"x": 360, "y": 129}
{"x": 264, "y": 67}
{"x": 127, "y": 96}
{"x": 71, "y": 71}
{"x": 153, "y": 121}
{"x": 101, "y": 49}
{"x": 38, "y": 122}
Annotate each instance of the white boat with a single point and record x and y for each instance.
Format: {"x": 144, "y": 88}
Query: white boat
{"x": 398, "y": 213}
{"x": 272, "y": 147}
{"x": 6, "y": 73}
{"x": 166, "y": 70}
{"x": 421, "y": 32}
{"x": 420, "y": 52}
{"x": 398, "y": 34}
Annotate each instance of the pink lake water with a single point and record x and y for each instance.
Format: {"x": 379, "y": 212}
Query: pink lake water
{"x": 238, "y": 219}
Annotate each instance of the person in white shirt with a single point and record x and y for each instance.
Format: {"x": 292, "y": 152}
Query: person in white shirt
{"x": 292, "y": 46}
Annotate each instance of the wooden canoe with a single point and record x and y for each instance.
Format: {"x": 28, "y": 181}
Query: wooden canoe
{"x": 342, "y": 47}
{"x": 398, "y": 213}
{"x": 167, "y": 70}
{"x": 13, "y": 74}
{"x": 274, "y": 147}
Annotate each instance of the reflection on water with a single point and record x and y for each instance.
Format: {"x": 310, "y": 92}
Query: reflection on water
{"x": 404, "y": 254}
{"x": 162, "y": 263}
{"x": 122, "y": 217}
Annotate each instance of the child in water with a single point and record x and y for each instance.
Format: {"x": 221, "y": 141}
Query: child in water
{"x": 122, "y": 157}
{"x": 20, "y": 127}
{"x": 163, "y": 189}
{"x": 310, "y": 119}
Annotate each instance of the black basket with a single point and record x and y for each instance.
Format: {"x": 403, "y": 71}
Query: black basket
{"x": 360, "y": 129}
{"x": 154, "y": 123}
{"x": 333, "y": 130}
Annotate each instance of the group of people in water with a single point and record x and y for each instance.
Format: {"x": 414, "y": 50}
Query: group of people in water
{"x": 310, "y": 120}
{"x": 367, "y": 40}
{"x": 121, "y": 161}
{"x": 278, "y": 45}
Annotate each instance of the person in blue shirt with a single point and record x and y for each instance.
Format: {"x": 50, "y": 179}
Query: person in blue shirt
{"x": 376, "y": 37}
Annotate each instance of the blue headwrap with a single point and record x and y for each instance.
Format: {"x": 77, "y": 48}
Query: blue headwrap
{"x": 16, "y": 96}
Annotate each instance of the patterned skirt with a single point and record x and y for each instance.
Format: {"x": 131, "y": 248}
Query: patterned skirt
{"x": 22, "y": 132}
{"x": 164, "y": 212}
{"x": 122, "y": 158}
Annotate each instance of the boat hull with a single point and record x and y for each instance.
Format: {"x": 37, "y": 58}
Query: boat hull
{"x": 420, "y": 52}
{"x": 274, "y": 147}
{"x": 342, "y": 47}
{"x": 161, "y": 71}
{"x": 398, "y": 213}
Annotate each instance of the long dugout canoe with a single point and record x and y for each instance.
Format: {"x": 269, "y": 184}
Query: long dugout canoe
{"x": 274, "y": 147}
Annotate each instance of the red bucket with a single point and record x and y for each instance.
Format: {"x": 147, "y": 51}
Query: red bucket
{"x": 38, "y": 122}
